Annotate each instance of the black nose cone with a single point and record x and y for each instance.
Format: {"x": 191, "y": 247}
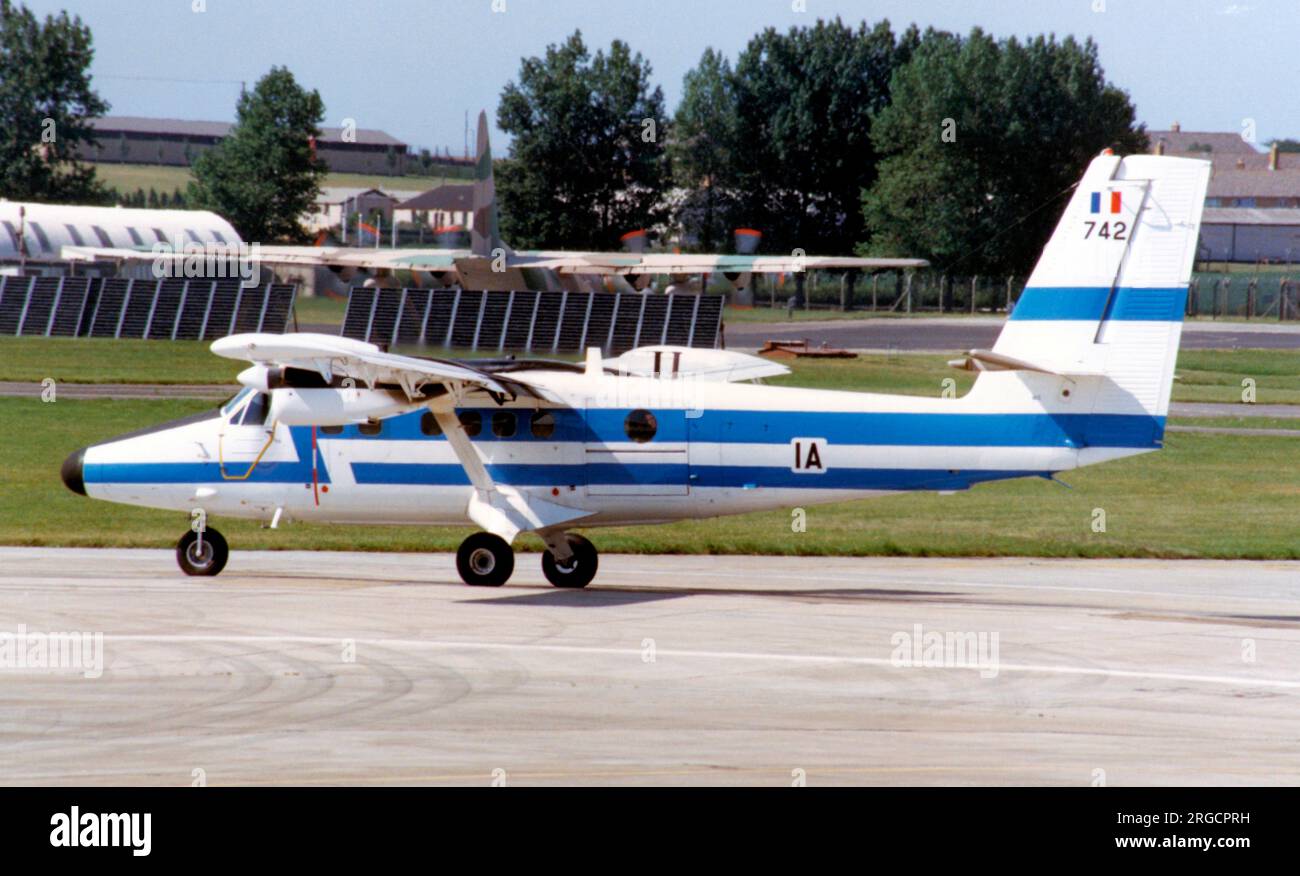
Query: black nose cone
{"x": 72, "y": 473}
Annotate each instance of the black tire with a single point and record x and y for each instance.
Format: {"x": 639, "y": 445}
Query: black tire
{"x": 485, "y": 560}
{"x": 208, "y": 560}
{"x": 580, "y": 569}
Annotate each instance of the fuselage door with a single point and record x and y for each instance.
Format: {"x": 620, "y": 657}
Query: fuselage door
{"x": 638, "y": 452}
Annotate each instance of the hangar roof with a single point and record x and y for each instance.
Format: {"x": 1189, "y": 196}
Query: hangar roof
{"x": 1178, "y": 142}
{"x": 1231, "y": 182}
{"x": 446, "y": 197}
{"x": 1250, "y": 216}
{"x": 217, "y": 130}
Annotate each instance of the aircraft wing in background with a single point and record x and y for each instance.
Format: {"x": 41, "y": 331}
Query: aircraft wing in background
{"x": 440, "y": 260}
{"x": 623, "y": 263}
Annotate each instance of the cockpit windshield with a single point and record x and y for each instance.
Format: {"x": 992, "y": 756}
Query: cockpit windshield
{"x": 248, "y": 408}
{"x": 234, "y": 403}
{"x": 255, "y": 411}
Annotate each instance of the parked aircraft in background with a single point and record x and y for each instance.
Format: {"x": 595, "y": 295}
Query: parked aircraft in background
{"x": 490, "y": 264}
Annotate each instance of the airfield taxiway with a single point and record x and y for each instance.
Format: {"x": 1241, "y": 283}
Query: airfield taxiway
{"x": 297, "y": 667}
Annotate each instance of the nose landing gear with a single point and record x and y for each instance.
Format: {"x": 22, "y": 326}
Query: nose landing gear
{"x": 202, "y": 553}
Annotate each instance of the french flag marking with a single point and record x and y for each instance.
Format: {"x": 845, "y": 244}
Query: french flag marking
{"x": 1116, "y": 202}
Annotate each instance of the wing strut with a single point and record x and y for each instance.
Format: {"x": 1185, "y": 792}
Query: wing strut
{"x": 498, "y": 508}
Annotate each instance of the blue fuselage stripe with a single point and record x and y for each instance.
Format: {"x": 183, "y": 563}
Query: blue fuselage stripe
{"x": 836, "y": 427}
{"x": 745, "y": 428}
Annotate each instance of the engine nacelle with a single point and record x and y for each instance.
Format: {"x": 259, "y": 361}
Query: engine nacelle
{"x": 336, "y": 406}
{"x": 739, "y": 280}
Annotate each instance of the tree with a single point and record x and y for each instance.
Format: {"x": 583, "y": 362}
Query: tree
{"x": 802, "y": 151}
{"x": 264, "y": 177}
{"x": 587, "y": 162}
{"x": 46, "y": 104}
{"x": 702, "y": 151}
{"x": 983, "y": 138}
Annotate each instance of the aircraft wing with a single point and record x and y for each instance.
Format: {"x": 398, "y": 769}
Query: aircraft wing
{"x": 437, "y": 260}
{"x": 332, "y": 356}
{"x": 678, "y": 263}
{"x": 303, "y": 256}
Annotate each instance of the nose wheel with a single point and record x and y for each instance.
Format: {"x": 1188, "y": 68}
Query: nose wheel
{"x": 485, "y": 560}
{"x": 575, "y": 571}
{"x": 203, "y": 553}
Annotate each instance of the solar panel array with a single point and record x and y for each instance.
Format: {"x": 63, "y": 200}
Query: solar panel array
{"x": 531, "y": 322}
{"x": 148, "y": 309}
{"x": 48, "y": 306}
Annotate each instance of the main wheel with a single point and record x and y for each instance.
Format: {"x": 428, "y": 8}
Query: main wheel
{"x": 485, "y": 560}
{"x": 578, "y": 570}
{"x": 206, "y": 557}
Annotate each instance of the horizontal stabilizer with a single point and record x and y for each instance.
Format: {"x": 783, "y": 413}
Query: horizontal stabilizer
{"x": 987, "y": 360}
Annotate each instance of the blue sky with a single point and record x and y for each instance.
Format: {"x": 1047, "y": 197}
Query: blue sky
{"x": 413, "y": 67}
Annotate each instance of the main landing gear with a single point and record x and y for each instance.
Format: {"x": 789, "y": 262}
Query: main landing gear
{"x": 487, "y": 560}
{"x": 202, "y": 553}
{"x": 574, "y": 571}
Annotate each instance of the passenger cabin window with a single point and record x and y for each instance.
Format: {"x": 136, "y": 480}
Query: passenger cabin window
{"x": 255, "y": 411}
{"x": 429, "y": 424}
{"x": 503, "y": 424}
{"x": 543, "y": 425}
{"x": 370, "y": 427}
{"x": 640, "y": 426}
{"x": 472, "y": 422}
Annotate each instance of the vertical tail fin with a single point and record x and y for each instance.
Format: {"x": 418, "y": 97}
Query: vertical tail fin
{"x": 485, "y": 235}
{"x": 1110, "y": 289}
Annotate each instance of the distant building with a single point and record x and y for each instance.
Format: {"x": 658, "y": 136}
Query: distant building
{"x": 37, "y": 233}
{"x": 134, "y": 140}
{"x": 446, "y": 205}
{"x": 1253, "y": 202}
{"x": 1246, "y": 234}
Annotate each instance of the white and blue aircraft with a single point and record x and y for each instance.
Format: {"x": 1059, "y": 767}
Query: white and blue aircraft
{"x": 330, "y": 429}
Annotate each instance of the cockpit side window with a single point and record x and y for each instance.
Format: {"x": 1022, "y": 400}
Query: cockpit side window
{"x": 255, "y": 411}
